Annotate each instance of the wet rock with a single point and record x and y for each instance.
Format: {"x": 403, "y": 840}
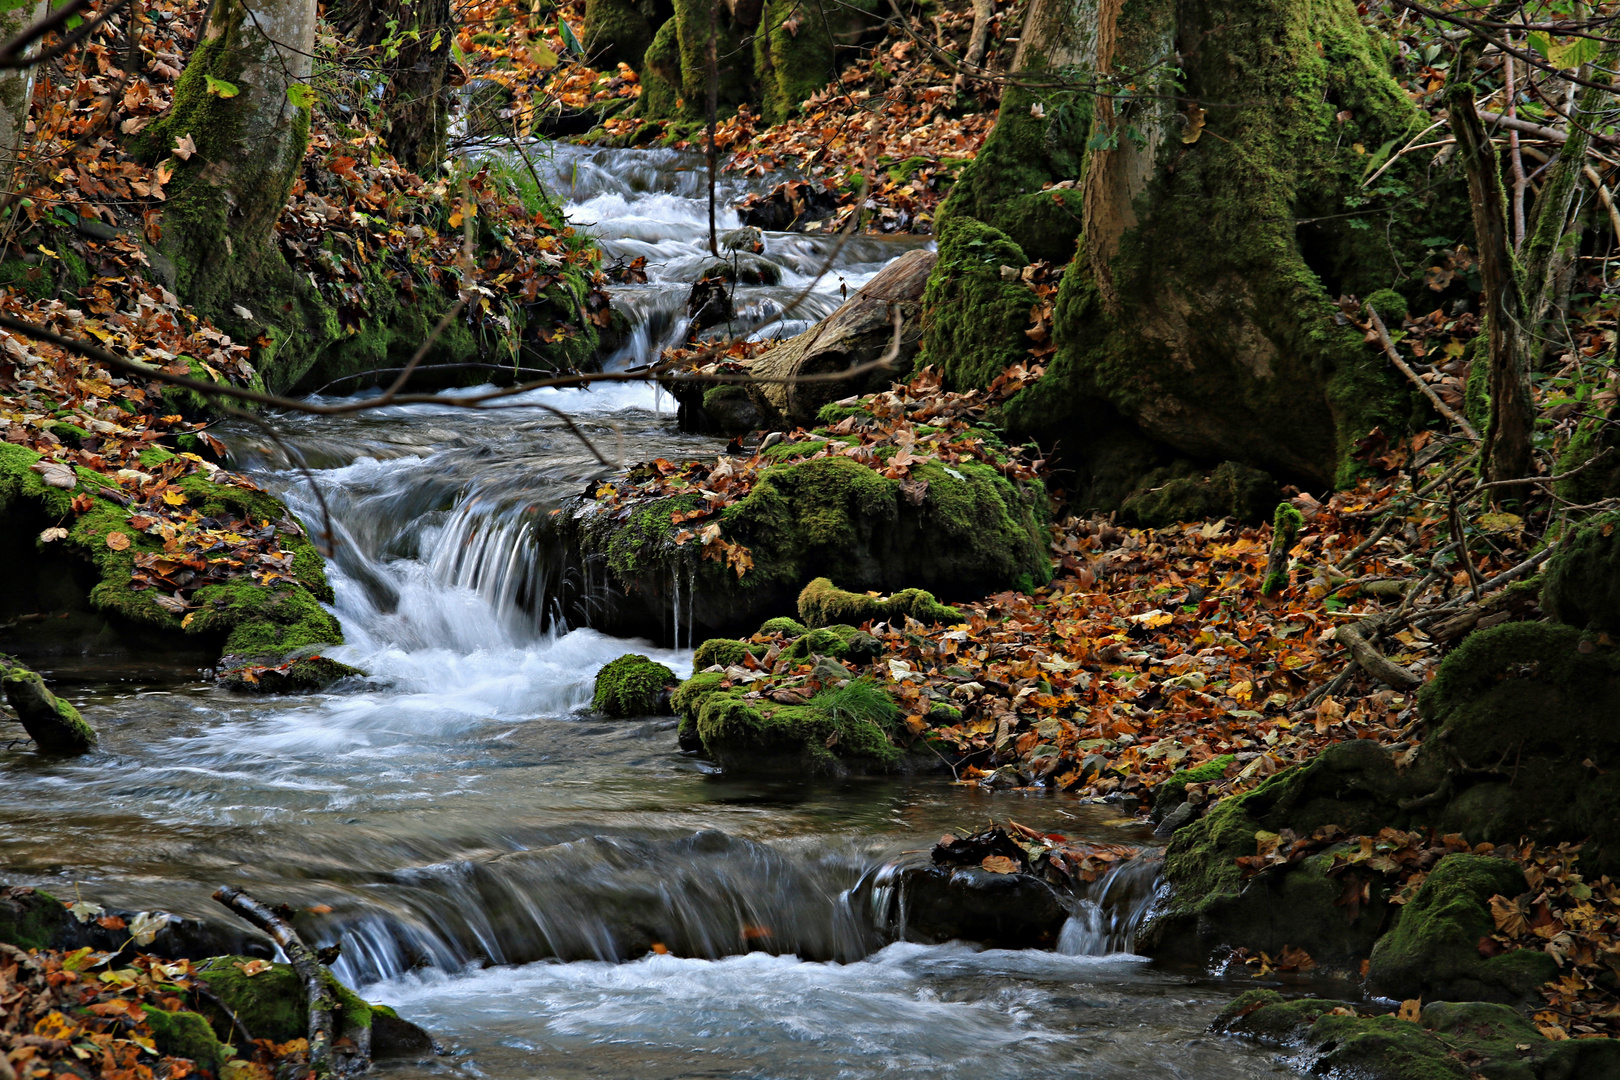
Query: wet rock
{"x": 1175, "y": 494}
{"x": 394, "y": 1037}
{"x": 748, "y": 239}
{"x": 35, "y": 919}
{"x": 788, "y": 206}
{"x": 709, "y": 304}
{"x": 302, "y": 672}
{"x": 55, "y": 725}
{"x": 728, "y": 410}
{"x": 969, "y": 903}
{"x": 745, "y": 269}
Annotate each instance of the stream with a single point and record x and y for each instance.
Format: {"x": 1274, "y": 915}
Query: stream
{"x": 550, "y": 894}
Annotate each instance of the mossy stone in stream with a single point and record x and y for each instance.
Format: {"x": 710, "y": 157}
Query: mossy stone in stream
{"x": 782, "y": 625}
{"x": 841, "y": 642}
{"x": 843, "y": 729}
{"x": 53, "y": 723}
{"x": 29, "y": 918}
{"x": 1432, "y": 951}
{"x": 1172, "y": 791}
{"x": 632, "y": 685}
{"x": 271, "y": 1004}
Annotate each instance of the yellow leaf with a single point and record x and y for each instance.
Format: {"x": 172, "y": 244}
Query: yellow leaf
{"x": 1411, "y": 1009}
{"x": 174, "y": 497}
{"x": 253, "y": 967}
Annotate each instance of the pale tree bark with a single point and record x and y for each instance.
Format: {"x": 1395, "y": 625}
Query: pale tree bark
{"x": 16, "y": 85}
{"x": 237, "y": 134}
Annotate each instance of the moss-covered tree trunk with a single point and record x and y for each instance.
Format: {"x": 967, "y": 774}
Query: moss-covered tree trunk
{"x": 237, "y": 133}
{"x": 16, "y": 84}
{"x": 413, "y": 40}
{"x": 1199, "y": 166}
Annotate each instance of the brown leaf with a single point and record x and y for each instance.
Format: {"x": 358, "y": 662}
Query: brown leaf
{"x": 117, "y": 541}
{"x": 999, "y": 864}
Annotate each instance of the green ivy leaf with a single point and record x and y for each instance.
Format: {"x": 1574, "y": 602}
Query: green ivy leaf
{"x": 570, "y": 42}
{"x": 1541, "y": 42}
{"x": 221, "y": 88}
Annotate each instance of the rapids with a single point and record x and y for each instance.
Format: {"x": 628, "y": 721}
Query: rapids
{"x": 553, "y": 895}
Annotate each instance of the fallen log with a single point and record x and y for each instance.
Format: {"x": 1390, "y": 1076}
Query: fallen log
{"x": 860, "y": 333}
{"x": 55, "y": 725}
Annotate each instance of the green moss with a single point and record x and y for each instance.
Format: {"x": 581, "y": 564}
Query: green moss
{"x": 31, "y": 920}
{"x": 836, "y": 728}
{"x": 835, "y": 412}
{"x": 1172, "y": 791}
{"x": 1524, "y": 711}
{"x": 1581, "y": 585}
{"x": 1003, "y": 185}
{"x": 1593, "y": 435}
{"x": 1391, "y": 307}
{"x": 262, "y": 622}
{"x": 632, "y": 685}
{"x": 974, "y": 318}
{"x": 723, "y": 651}
{"x": 797, "y": 49}
{"x": 687, "y": 699}
{"x": 822, "y": 603}
{"x": 616, "y": 31}
{"x": 840, "y": 642}
{"x": 33, "y": 280}
{"x": 1432, "y": 952}
{"x": 53, "y": 723}
{"x": 782, "y": 625}
{"x": 186, "y": 1035}
{"x": 271, "y": 1004}
{"x": 1285, "y": 528}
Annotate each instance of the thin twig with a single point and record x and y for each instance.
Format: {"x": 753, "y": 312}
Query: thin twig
{"x": 1405, "y": 369}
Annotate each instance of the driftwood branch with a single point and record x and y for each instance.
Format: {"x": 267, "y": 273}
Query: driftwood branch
{"x": 1354, "y": 637}
{"x": 1406, "y": 369}
{"x": 309, "y": 969}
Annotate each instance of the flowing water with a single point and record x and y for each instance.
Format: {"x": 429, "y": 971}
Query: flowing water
{"x": 550, "y": 894}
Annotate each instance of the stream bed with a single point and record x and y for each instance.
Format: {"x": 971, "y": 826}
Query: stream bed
{"x": 550, "y": 894}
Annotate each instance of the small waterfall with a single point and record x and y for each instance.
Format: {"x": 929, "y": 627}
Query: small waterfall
{"x": 707, "y": 895}
{"x": 1109, "y": 913}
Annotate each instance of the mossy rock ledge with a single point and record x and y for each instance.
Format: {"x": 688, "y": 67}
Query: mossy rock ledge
{"x": 82, "y": 587}
{"x": 1448, "y": 1041}
{"x": 1519, "y": 741}
{"x": 973, "y": 532}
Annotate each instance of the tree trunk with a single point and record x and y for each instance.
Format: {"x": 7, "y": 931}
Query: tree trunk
{"x": 237, "y": 133}
{"x": 1507, "y": 316}
{"x": 16, "y": 85}
{"x": 1199, "y": 167}
{"x": 863, "y": 330}
{"x": 416, "y": 108}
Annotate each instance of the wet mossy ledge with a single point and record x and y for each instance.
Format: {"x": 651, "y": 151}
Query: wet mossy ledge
{"x": 76, "y": 594}
{"x": 1444, "y": 1041}
{"x": 960, "y": 529}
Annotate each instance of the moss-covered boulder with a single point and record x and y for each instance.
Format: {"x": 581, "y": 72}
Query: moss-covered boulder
{"x": 972, "y": 531}
{"x": 632, "y": 685}
{"x": 1447, "y": 1041}
{"x": 300, "y": 674}
{"x": 1353, "y": 785}
{"x": 1581, "y": 585}
{"x": 854, "y": 727}
{"x": 724, "y": 652}
{"x": 1182, "y": 493}
{"x": 187, "y": 1034}
{"x": 54, "y": 724}
{"x": 1594, "y": 435}
{"x": 1521, "y": 716}
{"x": 89, "y": 573}
{"x": 1432, "y": 951}
{"x": 822, "y": 603}
{"x": 840, "y": 641}
{"x": 1172, "y": 791}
